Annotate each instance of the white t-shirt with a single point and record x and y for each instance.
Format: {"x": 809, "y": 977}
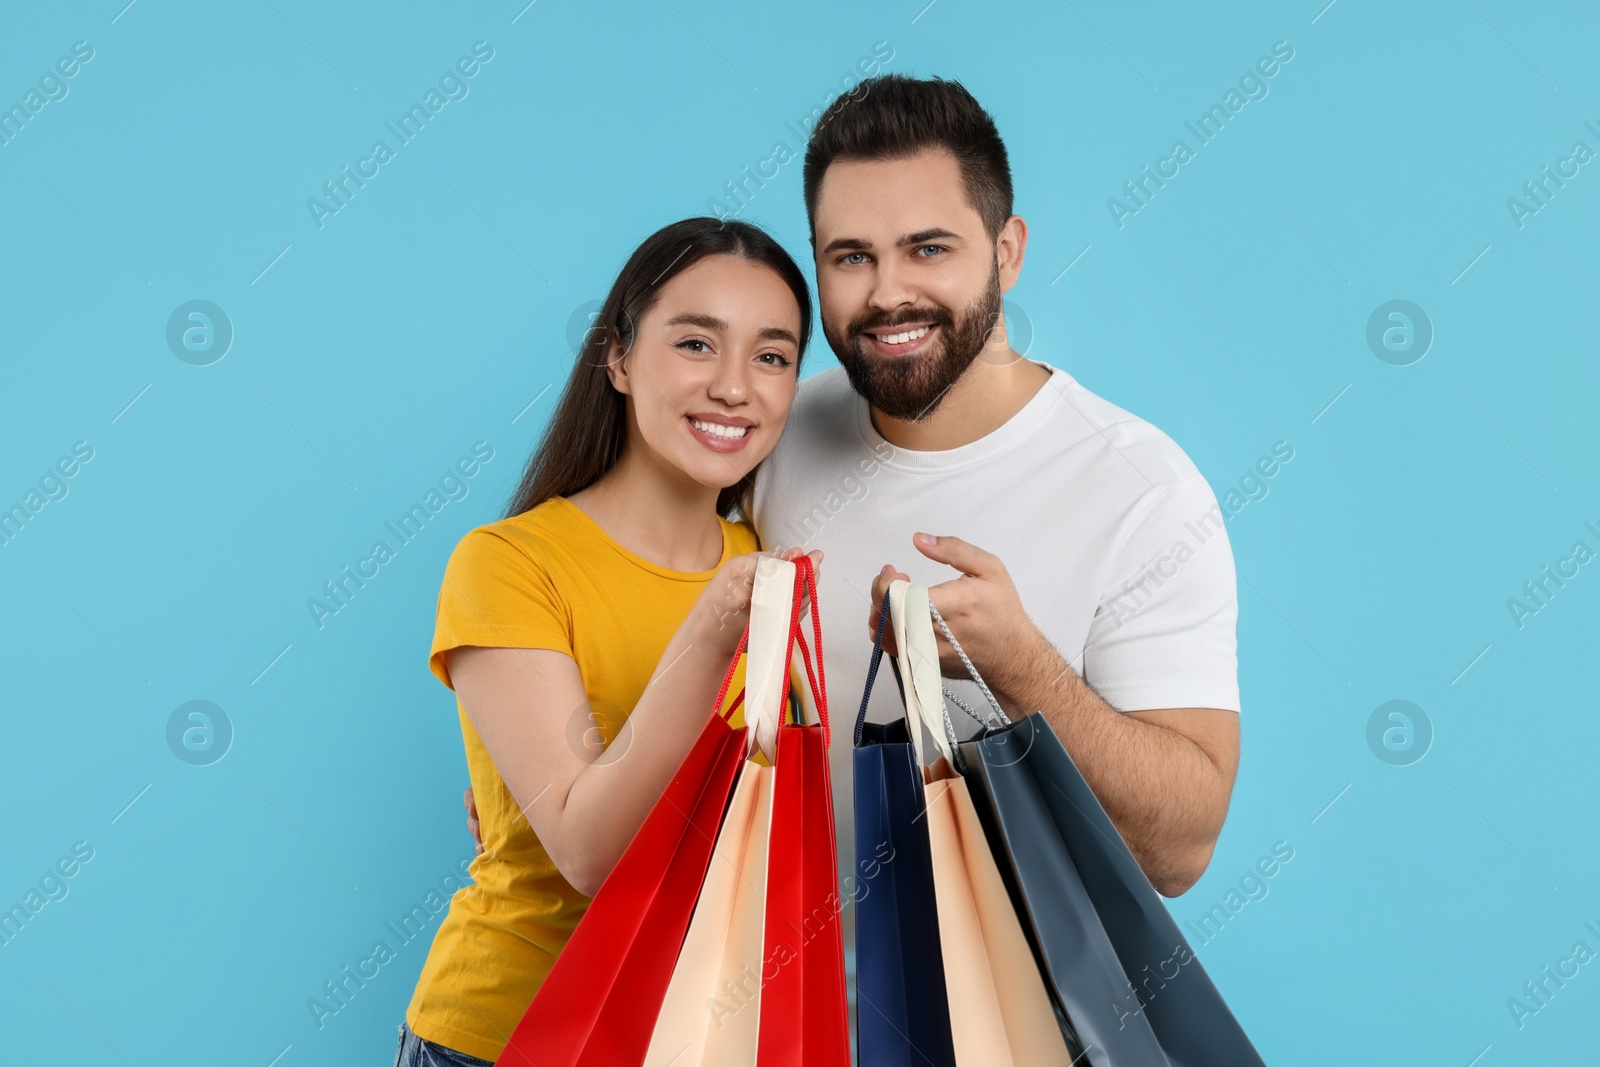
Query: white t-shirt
{"x": 1113, "y": 537}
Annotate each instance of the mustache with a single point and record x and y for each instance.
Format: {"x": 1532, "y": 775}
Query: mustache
{"x": 885, "y": 320}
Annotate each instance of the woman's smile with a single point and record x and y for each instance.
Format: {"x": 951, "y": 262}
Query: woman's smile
{"x": 720, "y": 433}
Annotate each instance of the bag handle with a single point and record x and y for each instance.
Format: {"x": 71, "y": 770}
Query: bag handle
{"x": 776, "y": 632}
{"x": 926, "y": 667}
{"x": 806, "y": 584}
{"x": 996, "y": 718}
{"x": 919, "y": 655}
{"x": 872, "y": 671}
{"x": 772, "y": 631}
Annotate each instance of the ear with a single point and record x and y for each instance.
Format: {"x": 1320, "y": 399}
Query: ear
{"x": 1009, "y": 247}
{"x": 617, "y": 368}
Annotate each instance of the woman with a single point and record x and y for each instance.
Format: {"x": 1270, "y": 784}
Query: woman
{"x": 616, "y": 564}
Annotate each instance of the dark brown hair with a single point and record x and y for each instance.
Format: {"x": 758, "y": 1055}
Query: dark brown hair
{"x": 892, "y": 116}
{"x": 589, "y": 428}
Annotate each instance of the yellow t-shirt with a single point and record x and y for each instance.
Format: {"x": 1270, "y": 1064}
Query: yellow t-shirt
{"x": 549, "y": 578}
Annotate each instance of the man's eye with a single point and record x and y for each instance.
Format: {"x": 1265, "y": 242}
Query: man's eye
{"x": 853, "y": 259}
{"x": 935, "y": 249}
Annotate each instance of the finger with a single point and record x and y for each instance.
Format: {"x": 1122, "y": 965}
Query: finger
{"x": 954, "y": 552}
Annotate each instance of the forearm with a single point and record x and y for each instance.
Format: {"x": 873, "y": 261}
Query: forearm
{"x": 611, "y": 798}
{"x": 1164, "y": 793}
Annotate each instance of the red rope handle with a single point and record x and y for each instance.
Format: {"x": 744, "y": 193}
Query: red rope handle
{"x": 805, "y": 581}
{"x": 727, "y": 679}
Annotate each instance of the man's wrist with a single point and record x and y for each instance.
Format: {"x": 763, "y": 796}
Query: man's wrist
{"x": 1026, "y": 670}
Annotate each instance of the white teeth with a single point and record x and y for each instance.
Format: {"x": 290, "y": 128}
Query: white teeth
{"x": 902, "y": 338}
{"x": 716, "y": 429}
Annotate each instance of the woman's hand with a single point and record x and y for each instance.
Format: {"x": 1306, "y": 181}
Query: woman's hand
{"x": 720, "y": 615}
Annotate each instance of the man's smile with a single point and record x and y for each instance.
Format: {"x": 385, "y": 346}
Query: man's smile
{"x": 902, "y": 340}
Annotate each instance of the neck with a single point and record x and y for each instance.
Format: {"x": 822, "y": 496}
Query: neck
{"x": 655, "y": 513}
{"x": 997, "y": 386}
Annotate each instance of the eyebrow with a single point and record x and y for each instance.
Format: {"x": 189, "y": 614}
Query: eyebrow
{"x": 857, "y": 244}
{"x": 711, "y": 322}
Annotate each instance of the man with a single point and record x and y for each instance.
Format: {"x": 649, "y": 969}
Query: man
{"x": 1094, "y": 580}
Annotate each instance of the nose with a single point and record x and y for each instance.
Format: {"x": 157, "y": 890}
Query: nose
{"x": 890, "y": 285}
{"x": 730, "y": 381}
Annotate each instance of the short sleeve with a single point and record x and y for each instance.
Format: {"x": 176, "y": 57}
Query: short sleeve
{"x": 495, "y": 593}
{"x": 1164, "y": 629}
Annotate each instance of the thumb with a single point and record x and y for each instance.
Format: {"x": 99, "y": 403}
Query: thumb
{"x": 954, "y": 552}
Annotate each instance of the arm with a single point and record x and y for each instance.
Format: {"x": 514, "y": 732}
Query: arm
{"x": 1164, "y": 776}
{"x": 528, "y": 704}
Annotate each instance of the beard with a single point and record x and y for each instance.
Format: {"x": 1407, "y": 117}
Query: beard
{"x": 910, "y": 388}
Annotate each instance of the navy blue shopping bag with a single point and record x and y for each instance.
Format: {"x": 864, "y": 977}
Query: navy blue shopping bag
{"x": 902, "y": 1011}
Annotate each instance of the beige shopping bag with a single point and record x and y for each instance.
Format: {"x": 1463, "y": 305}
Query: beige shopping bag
{"x": 713, "y": 1003}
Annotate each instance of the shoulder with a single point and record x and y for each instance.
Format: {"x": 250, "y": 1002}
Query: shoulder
{"x": 1149, "y": 450}
{"x": 1144, "y": 485}
{"x": 526, "y": 541}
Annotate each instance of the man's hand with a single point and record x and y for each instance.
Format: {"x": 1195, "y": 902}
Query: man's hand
{"x": 983, "y": 606}
{"x": 1164, "y": 775}
{"x": 472, "y": 818}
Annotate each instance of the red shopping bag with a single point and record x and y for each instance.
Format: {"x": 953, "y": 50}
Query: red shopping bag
{"x": 804, "y": 1022}
{"x": 598, "y": 1005}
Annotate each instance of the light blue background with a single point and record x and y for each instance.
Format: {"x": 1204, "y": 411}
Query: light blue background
{"x": 428, "y": 313}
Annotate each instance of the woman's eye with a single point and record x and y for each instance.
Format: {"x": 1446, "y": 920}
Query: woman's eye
{"x": 690, "y": 344}
{"x": 778, "y": 359}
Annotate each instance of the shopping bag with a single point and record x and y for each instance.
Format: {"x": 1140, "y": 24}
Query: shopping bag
{"x": 710, "y": 1013}
{"x": 1116, "y": 964}
{"x": 902, "y": 1011}
{"x": 598, "y": 1005}
{"x": 804, "y": 1011}
{"x": 760, "y": 980}
{"x": 1000, "y": 1009}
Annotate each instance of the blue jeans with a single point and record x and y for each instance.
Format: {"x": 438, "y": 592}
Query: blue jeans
{"x": 416, "y": 1052}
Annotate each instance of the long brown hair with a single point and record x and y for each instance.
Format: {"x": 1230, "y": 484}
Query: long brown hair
{"x": 589, "y": 428}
